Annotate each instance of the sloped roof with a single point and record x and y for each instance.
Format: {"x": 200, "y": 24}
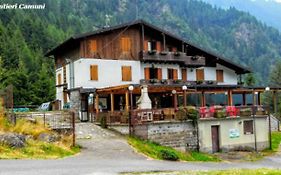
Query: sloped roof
{"x": 219, "y": 59}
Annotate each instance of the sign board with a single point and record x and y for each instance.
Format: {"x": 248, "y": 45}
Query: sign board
{"x": 234, "y": 133}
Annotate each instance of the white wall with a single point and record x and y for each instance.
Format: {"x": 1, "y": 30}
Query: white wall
{"x": 109, "y": 72}
{"x": 230, "y": 77}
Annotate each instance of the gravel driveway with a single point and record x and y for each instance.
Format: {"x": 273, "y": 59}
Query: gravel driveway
{"x": 105, "y": 152}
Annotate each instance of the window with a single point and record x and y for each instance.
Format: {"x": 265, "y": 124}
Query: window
{"x": 219, "y": 75}
{"x": 59, "y": 79}
{"x": 126, "y": 73}
{"x": 93, "y": 46}
{"x": 152, "y": 73}
{"x": 200, "y": 75}
{"x": 151, "y": 45}
{"x": 248, "y": 127}
{"x": 183, "y": 74}
{"x": 125, "y": 44}
{"x": 172, "y": 74}
{"x": 94, "y": 72}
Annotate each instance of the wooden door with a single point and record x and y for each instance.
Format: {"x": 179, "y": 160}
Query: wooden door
{"x": 215, "y": 139}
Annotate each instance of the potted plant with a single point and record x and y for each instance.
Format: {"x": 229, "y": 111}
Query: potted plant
{"x": 199, "y": 82}
{"x": 152, "y": 52}
{"x": 246, "y": 112}
{"x": 220, "y": 114}
{"x": 177, "y": 53}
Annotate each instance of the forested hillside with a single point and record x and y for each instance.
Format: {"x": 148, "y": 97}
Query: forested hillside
{"x": 25, "y": 35}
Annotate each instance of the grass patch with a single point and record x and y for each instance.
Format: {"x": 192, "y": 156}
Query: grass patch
{"x": 156, "y": 151}
{"x": 276, "y": 140}
{"x": 34, "y": 148}
{"x": 261, "y": 171}
{"x": 37, "y": 150}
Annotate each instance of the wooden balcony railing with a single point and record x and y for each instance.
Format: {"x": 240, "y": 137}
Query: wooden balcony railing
{"x": 173, "y": 57}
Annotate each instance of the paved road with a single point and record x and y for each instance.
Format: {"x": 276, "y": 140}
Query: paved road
{"x": 107, "y": 153}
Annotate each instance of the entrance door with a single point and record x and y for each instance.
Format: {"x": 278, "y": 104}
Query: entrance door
{"x": 215, "y": 139}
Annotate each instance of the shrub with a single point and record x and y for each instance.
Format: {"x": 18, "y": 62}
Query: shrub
{"x": 103, "y": 123}
{"x": 168, "y": 155}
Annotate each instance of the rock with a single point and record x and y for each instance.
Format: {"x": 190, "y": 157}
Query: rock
{"x": 49, "y": 137}
{"x": 13, "y": 140}
{"x": 30, "y": 119}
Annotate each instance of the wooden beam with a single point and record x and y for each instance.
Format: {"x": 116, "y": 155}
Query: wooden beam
{"x": 97, "y": 103}
{"x": 164, "y": 42}
{"x": 244, "y": 98}
{"x": 259, "y": 98}
{"x": 127, "y": 101}
{"x": 203, "y": 99}
{"x": 184, "y": 98}
{"x": 112, "y": 102}
{"x": 274, "y": 101}
{"x": 229, "y": 98}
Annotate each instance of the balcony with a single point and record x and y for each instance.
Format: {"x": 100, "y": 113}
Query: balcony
{"x": 177, "y": 82}
{"x": 173, "y": 57}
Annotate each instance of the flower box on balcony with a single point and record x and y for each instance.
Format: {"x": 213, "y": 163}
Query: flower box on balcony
{"x": 152, "y": 52}
{"x": 177, "y": 54}
{"x": 245, "y": 112}
{"x": 163, "y": 53}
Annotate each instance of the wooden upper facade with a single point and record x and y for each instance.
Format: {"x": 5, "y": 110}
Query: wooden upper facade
{"x": 141, "y": 41}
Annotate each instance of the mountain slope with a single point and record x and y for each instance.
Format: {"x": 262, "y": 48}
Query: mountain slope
{"x": 25, "y": 35}
{"x": 268, "y": 11}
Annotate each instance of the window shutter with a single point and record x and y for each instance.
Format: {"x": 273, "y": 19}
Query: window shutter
{"x": 125, "y": 44}
{"x": 159, "y": 73}
{"x": 175, "y": 74}
{"x": 94, "y": 72}
{"x": 145, "y": 45}
{"x": 158, "y": 46}
{"x": 200, "y": 75}
{"x": 59, "y": 79}
{"x": 64, "y": 97}
{"x": 126, "y": 73}
{"x": 219, "y": 75}
{"x": 146, "y": 73}
{"x": 184, "y": 75}
{"x": 93, "y": 46}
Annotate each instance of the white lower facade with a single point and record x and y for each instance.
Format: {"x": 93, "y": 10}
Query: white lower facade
{"x": 109, "y": 73}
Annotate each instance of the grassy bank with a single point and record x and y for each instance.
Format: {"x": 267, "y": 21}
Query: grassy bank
{"x": 221, "y": 172}
{"x": 276, "y": 140}
{"x": 157, "y": 151}
{"x": 34, "y": 148}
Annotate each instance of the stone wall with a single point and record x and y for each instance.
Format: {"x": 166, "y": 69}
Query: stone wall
{"x": 179, "y": 135}
{"x": 121, "y": 128}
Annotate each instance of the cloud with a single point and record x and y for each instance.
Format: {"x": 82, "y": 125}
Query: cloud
{"x": 279, "y": 1}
